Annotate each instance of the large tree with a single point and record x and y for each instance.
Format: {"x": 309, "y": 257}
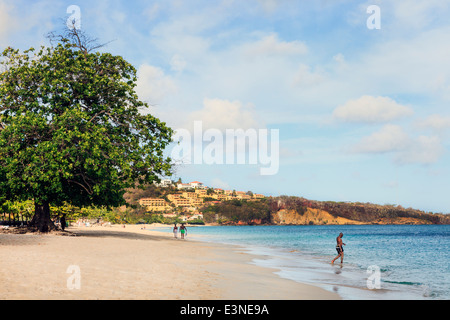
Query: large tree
{"x": 72, "y": 129}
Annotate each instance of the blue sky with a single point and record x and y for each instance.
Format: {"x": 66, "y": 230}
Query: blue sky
{"x": 362, "y": 114}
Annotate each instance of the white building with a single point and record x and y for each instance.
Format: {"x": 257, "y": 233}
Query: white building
{"x": 197, "y": 185}
{"x": 164, "y": 183}
{"x": 181, "y": 186}
{"x": 196, "y": 216}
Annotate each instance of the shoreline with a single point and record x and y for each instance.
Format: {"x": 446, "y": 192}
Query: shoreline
{"x": 349, "y": 281}
{"x": 134, "y": 263}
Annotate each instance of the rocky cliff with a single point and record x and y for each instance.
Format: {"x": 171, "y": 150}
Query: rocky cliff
{"x": 309, "y": 217}
{"x": 320, "y": 217}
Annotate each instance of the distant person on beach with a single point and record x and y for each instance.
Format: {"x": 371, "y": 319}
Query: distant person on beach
{"x": 175, "y": 231}
{"x": 339, "y": 248}
{"x": 63, "y": 222}
{"x": 183, "y": 230}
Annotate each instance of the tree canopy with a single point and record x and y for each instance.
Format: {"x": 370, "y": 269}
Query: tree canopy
{"x": 72, "y": 129}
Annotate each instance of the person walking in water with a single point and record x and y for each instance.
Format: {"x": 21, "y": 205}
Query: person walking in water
{"x": 175, "y": 231}
{"x": 339, "y": 248}
{"x": 183, "y": 230}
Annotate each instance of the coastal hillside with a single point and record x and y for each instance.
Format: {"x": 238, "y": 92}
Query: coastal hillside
{"x": 296, "y": 210}
{"x": 289, "y": 210}
{"x": 319, "y": 217}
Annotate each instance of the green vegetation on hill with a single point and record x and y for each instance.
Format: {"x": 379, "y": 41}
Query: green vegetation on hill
{"x": 362, "y": 212}
{"x": 247, "y": 212}
{"x": 235, "y": 211}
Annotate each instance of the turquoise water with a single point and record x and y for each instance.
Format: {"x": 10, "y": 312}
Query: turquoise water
{"x": 413, "y": 261}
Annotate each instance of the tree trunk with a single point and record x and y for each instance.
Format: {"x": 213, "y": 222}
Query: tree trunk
{"x": 41, "y": 219}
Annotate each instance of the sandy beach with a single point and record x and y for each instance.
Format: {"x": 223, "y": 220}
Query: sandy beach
{"x": 130, "y": 263}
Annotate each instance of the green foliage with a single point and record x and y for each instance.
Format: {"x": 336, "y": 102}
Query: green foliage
{"x": 18, "y": 210}
{"x": 196, "y": 222}
{"x": 134, "y": 218}
{"x": 209, "y": 199}
{"x": 71, "y": 130}
{"x": 238, "y": 210}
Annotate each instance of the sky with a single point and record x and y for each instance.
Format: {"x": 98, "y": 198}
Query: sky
{"x": 345, "y": 100}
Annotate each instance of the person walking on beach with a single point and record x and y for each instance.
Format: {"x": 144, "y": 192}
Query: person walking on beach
{"x": 339, "y": 248}
{"x": 183, "y": 230}
{"x": 63, "y": 221}
{"x": 175, "y": 231}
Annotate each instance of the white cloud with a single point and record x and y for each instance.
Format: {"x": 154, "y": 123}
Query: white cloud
{"x": 185, "y": 32}
{"x": 340, "y": 59}
{"x": 418, "y": 14}
{"x": 423, "y": 149}
{"x": 417, "y": 64}
{"x": 218, "y": 183}
{"x": 406, "y": 149}
{"x": 389, "y": 138}
{"x": 269, "y": 6}
{"x": 225, "y": 114}
{"x": 26, "y": 25}
{"x": 153, "y": 84}
{"x": 435, "y": 122}
{"x": 271, "y": 45}
{"x": 177, "y": 63}
{"x": 152, "y": 11}
{"x": 7, "y": 22}
{"x": 305, "y": 77}
{"x": 368, "y": 109}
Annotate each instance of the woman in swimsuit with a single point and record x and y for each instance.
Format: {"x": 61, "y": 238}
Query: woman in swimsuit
{"x": 175, "y": 231}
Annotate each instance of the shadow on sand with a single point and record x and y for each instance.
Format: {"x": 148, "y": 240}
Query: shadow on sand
{"x": 118, "y": 234}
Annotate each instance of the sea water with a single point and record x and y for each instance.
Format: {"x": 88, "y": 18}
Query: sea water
{"x": 380, "y": 261}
